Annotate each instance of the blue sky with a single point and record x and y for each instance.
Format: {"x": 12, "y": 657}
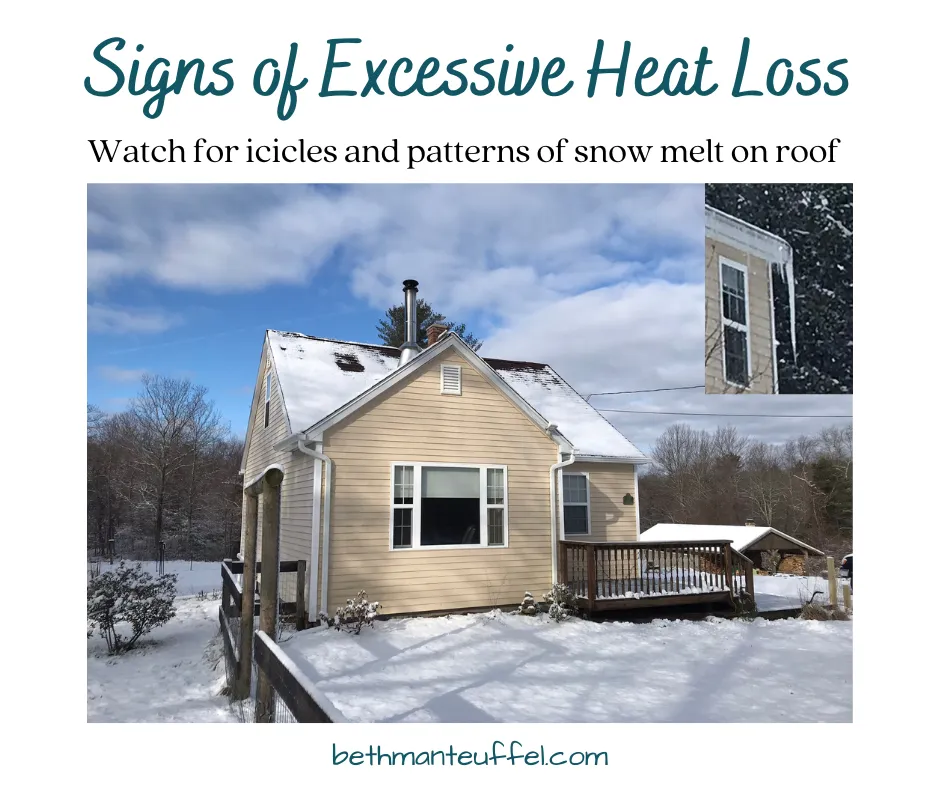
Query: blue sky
{"x": 604, "y": 282}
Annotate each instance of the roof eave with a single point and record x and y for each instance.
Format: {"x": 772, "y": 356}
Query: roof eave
{"x": 737, "y": 232}
{"x": 627, "y": 459}
{"x": 796, "y": 541}
{"x": 288, "y": 443}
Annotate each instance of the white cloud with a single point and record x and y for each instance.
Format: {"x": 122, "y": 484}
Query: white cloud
{"x": 650, "y": 335}
{"x": 121, "y": 375}
{"x": 114, "y": 320}
{"x": 604, "y": 282}
{"x": 231, "y": 239}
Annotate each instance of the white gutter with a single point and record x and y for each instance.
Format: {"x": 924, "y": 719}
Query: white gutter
{"x": 552, "y": 486}
{"x": 315, "y": 607}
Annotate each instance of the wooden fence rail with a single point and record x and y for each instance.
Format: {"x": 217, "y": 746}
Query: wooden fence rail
{"x": 289, "y": 684}
{"x": 231, "y": 585}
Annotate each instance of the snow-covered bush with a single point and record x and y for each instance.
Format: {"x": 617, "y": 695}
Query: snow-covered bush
{"x": 814, "y": 611}
{"x": 528, "y": 608}
{"x": 355, "y": 614}
{"x": 745, "y": 606}
{"x": 127, "y": 595}
{"x": 561, "y": 601}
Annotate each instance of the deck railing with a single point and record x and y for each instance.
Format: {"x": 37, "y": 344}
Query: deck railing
{"x": 607, "y": 575}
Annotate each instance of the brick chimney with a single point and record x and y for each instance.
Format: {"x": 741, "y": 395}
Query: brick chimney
{"x": 750, "y": 521}
{"x": 435, "y": 332}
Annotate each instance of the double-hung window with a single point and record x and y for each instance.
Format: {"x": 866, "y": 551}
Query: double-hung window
{"x": 575, "y": 488}
{"x": 734, "y": 312}
{"x": 439, "y": 505}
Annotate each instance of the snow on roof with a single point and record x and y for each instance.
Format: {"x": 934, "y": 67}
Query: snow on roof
{"x": 546, "y": 391}
{"x": 317, "y": 376}
{"x": 741, "y": 536}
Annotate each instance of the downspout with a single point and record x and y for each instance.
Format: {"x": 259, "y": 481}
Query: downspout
{"x": 315, "y": 606}
{"x": 552, "y": 486}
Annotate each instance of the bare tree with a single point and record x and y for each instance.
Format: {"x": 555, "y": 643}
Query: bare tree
{"x": 802, "y": 487}
{"x": 166, "y": 469}
{"x": 765, "y": 487}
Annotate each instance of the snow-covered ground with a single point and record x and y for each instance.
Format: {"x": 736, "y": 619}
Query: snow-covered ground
{"x": 495, "y": 667}
{"x": 173, "y": 675}
{"x": 504, "y": 668}
{"x": 203, "y": 576}
{"x": 778, "y": 592}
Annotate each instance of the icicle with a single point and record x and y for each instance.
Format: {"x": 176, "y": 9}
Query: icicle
{"x": 784, "y": 267}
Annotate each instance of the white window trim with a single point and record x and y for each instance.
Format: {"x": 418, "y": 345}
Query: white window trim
{"x": 416, "y": 507}
{"x": 722, "y": 262}
{"x": 459, "y": 380}
{"x": 267, "y": 400}
{"x": 587, "y": 477}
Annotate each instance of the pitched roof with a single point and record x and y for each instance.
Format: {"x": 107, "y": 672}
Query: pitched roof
{"x": 317, "y": 376}
{"x": 741, "y": 536}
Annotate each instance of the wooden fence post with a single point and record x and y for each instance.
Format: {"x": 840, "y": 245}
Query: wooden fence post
{"x": 301, "y": 595}
{"x": 243, "y": 683}
{"x": 749, "y": 582}
{"x": 270, "y": 539}
{"x": 591, "y": 576}
{"x": 847, "y": 597}
{"x": 226, "y": 599}
{"x": 833, "y": 590}
{"x": 729, "y": 570}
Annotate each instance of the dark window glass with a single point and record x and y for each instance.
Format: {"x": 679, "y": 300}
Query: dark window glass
{"x": 450, "y": 506}
{"x": 576, "y": 520}
{"x": 401, "y": 530}
{"x": 735, "y": 356}
{"x": 733, "y": 303}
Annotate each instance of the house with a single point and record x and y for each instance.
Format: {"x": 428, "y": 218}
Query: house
{"x": 740, "y": 329}
{"x": 434, "y": 479}
{"x": 749, "y": 539}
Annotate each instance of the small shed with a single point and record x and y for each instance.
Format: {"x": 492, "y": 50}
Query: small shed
{"x": 751, "y": 540}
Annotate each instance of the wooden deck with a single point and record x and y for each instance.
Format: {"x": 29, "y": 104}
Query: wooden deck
{"x": 610, "y": 576}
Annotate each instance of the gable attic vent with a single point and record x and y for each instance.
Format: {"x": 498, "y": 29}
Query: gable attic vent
{"x": 450, "y": 379}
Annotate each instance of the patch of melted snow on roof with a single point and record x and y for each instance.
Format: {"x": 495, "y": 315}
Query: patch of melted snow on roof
{"x": 317, "y": 376}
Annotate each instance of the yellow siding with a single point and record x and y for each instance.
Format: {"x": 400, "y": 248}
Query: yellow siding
{"x": 297, "y": 487}
{"x": 611, "y": 519}
{"x": 415, "y": 422}
{"x": 759, "y": 316}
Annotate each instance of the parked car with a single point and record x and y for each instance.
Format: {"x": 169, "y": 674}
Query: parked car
{"x": 845, "y": 570}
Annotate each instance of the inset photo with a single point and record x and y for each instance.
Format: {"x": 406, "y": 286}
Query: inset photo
{"x": 778, "y": 288}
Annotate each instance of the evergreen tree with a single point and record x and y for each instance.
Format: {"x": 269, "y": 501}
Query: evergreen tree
{"x": 391, "y": 329}
{"x": 834, "y": 481}
{"x": 816, "y": 220}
